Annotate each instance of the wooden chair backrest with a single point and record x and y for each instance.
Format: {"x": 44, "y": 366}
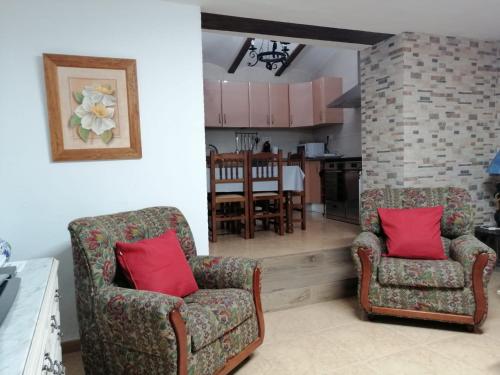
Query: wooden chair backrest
{"x": 266, "y": 166}
{"x": 228, "y": 168}
{"x": 298, "y": 160}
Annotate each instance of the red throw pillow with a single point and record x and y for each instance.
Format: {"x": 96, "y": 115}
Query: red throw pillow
{"x": 157, "y": 264}
{"x": 413, "y": 233}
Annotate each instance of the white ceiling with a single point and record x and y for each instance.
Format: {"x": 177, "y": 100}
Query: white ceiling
{"x": 469, "y": 18}
{"x": 221, "y": 49}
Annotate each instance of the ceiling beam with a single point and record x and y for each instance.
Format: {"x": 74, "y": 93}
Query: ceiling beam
{"x": 292, "y": 57}
{"x": 211, "y": 21}
{"x": 240, "y": 55}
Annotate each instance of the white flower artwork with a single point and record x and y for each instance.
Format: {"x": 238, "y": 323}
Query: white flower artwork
{"x": 95, "y": 112}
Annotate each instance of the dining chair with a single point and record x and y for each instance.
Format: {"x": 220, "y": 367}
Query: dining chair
{"x": 266, "y": 167}
{"x": 299, "y": 203}
{"x": 228, "y": 168}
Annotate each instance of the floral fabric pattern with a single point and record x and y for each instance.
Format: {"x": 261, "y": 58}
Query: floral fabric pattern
{"x": 437, "y": 286}
{"x": 420, "y": 273}
{"x": 213, "y": 357}
{"x": 127, "y": 331}
{"x": 465, "y": 249}
{"x": 214, "y": 312}
{"x": 228, "y": 272}
{"x": 453, "y": 301}
{"x": 458, "y": 215}
{"x": 368, "y": 240}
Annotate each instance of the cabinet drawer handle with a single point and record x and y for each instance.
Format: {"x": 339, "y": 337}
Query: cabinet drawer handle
{"x": 225, "y": 122}
{"x": 55, "y": 326}
{"x": 272, "y": 119}
{"x": 220, "y": 121}
{"x": 50, "y": 366}
{"x": 59, "y": 368}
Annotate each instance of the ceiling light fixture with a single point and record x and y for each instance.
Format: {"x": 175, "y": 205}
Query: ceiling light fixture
{"x": 270, "y": 55}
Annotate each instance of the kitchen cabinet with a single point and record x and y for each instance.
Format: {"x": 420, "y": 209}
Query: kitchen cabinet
{"x": 279, "y": 105}
{"x": 213, "y": 103}
{"x": 313, "y": 181}
{"x": 301, "y": 104}
{"x": 258, "y": 94}
{"x": 235, "y": 106}
{"x": 325, "y": 90}
{"x": 275, "y": 105}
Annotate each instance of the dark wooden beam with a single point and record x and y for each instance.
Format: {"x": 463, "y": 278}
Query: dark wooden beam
{"x": 211, "y": 21}
{"x": 292, "y": 57}
{"x": 240, "y": 55}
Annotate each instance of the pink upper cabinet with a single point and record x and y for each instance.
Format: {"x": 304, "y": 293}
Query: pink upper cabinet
{"x": 325, "y": 90}
{"x": 213, "y": 103}
{"x": 301, "y": 104}
{"x": 279, "y": 105}
{"x": 259, "y": 105}
{"x": 235, "y": 108}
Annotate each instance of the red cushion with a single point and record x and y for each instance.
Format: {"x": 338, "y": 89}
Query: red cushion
{"x": 413, "y": 233}
{"x": 157, "y": 264}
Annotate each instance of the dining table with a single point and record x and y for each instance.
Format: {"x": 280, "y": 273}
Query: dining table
{"x": 293, "y": 181}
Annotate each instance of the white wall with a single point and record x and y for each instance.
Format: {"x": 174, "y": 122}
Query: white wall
{"x": 343, "y": 64}
{"x": 39, "y": 197}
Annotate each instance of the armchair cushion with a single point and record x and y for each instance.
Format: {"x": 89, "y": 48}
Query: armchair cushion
{"x": 214, "y": 312}
{"x": 413, "y": 232}
{"x": 420, "y": 273}
{"x": 157, "y": 264}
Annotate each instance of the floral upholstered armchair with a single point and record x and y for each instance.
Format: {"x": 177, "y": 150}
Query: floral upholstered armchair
{"x": 128, "y": 331}
{"x": 453, "y": 290}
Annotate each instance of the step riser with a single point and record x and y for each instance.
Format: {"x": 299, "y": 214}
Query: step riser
{"x": 301, "y": 279}
{"x": 286, "y": 299}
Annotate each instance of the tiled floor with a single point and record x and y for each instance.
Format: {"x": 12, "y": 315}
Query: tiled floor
{"x": 328, "y": 338}
{"x": 321, "y": 234}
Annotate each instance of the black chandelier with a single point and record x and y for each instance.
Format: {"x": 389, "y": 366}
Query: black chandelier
{"x": 270, "y": 56}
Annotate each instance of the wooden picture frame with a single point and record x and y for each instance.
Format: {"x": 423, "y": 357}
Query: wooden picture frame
{"x": 93, "y": 107}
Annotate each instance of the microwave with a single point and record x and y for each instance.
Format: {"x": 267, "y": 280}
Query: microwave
{"x": 312, "y": 150}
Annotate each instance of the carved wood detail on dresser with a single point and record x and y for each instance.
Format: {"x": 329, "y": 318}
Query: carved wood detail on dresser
{"x": 30, "y": 336}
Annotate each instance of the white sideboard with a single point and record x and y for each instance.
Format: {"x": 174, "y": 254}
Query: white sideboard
{"x": 30, "y": 335}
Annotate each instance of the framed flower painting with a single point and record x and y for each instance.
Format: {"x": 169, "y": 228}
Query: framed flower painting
{"x": 93, "y": 107}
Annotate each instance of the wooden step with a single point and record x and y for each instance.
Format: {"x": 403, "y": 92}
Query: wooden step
{"x": 300, "y": 279}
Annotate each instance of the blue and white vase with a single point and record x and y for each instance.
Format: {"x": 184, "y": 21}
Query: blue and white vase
{"x": 5, "y": 252}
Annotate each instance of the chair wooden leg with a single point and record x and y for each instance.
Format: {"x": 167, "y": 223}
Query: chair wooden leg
{"x": 214, "y": 223}
{"x": 289, "y": 212}
{"x": 247, "y": 220}
{"x": 251, "y": 221}
{"x": 303, "y": 211}
{"x": 281, "y": 217}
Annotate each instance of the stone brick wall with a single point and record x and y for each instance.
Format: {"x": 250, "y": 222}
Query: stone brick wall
{"x": 382, "y": 126}
{"x": 430, "y": 114}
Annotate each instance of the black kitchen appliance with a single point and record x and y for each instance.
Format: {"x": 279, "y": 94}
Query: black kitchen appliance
{"x": 341, "y": 189}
